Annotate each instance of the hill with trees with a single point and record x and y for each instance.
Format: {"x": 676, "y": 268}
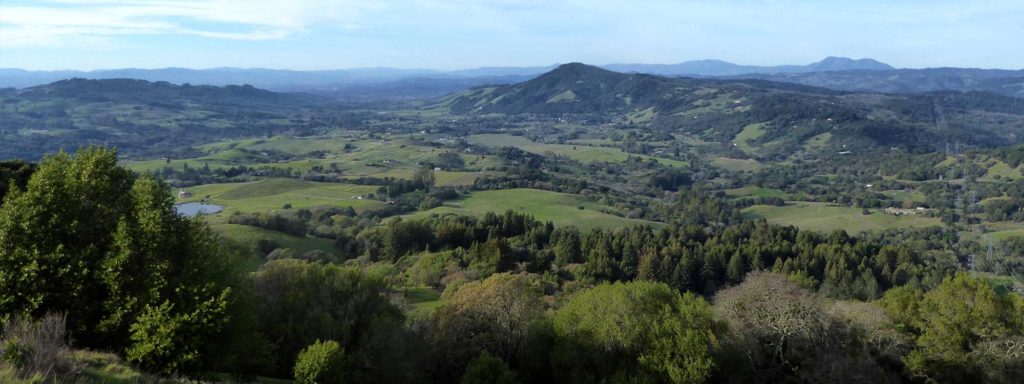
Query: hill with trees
{"x": 1004, "y": 82}
{"x": 137, "y": 115}
{"x": 790, "y": 115}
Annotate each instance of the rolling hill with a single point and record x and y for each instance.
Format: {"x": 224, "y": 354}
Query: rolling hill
{"x": 137, "y": 115}
{"x": 789, "y": 115}
{"x": 1006, "y": 82}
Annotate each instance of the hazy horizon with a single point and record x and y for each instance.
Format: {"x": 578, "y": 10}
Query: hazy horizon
{"x": 463, "y": 34}
{"x": 439, "y": 70}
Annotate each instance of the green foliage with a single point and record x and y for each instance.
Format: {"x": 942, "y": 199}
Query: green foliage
{"x": 168, "y": 342}
{"x": 430, "y": 268}
{"x": 90, "y": 238}
{"x": 498, "y": 315}
{"x": 640, "y": 331}
{"x": 14, "y": 174}
{"x": 298, "y": 303}
{"x": 320, "y": 363}
{"x": 965, "y": 331}
{"x": 488, "y": 369}
{"x": 14, "y": 353}
{"x": 425, "y": 178}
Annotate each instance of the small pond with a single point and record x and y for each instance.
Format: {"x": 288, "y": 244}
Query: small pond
{"x": 193, "y": 209}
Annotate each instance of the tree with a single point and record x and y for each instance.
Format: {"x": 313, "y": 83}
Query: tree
{"x": 92, "y": 239}
{"x": 488, "y": 369}
{"x": 320, "y": 363}
{"x": 965, "y": 330}
{"x": 424, "y": 177}
{"x": 737, "y": 268}
{"x": 784, "y": 333}
{"x": 639, "y": 331}
{"x": 299, "y": 302}
{"x": 498, "y": 315}
{"x": 14, "y": 174}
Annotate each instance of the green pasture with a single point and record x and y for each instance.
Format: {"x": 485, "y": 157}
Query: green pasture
{"x": 825, "y": 218}
{"x": 422, "y": 300}
{"x": 248, "y": 235}
{"x": 736, "y": 164}
{"x": 749, "y": 133}
{"x": 560, "y": 208}
{"x": 755, "y": 191}
{"x": 272, "y": 194}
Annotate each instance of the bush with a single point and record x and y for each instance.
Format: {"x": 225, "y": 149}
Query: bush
{"x": 488, "y": 369}
{"x": 35, "y": 348}
{"x": 320, "y": 363}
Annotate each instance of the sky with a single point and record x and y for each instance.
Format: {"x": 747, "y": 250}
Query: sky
{"x": 458, "y": 34}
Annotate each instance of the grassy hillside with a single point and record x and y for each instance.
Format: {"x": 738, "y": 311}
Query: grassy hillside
{"x": 764, "y": 119}
{"x": 248, "y": 235}
{"x": 138, "y": 117}
{"x": 560, "y": 208}
{"x": 273, "y": 194}
{"x": 355, "y": 156}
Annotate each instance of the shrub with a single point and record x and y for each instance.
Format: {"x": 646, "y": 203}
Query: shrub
{"x": 488, "y": 369}
{"x": 320, "y": 363}
{"x": 35, "y": 348}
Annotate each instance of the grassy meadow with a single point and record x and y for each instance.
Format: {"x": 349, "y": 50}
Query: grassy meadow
{"x": 559, "y": 208}
{"x": 826, "y": 218}
{"x": 273, "y": 194}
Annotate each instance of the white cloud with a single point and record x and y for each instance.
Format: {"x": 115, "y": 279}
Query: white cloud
{"x": 60, "y": 23}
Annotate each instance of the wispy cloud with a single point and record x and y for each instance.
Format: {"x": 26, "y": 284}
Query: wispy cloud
{"x": 465, "y": 33}
{"x": 60, "y": 23}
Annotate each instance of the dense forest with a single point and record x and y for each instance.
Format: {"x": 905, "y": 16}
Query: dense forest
{"x": 94, "y": 256}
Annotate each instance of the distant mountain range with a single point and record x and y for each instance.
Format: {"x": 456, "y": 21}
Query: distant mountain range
{"x": 289, "y": 80}
{"x": 724, "y": 68}
{"x": 864, "y": 75}
{"x": 1006, "y": 82}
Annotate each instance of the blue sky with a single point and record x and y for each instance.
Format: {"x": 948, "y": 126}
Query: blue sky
{"x": 455, "y": 34}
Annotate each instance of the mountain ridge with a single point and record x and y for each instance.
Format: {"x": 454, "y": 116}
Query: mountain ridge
{"x": 285, "y": 79}
{"x": 838, "y": 73}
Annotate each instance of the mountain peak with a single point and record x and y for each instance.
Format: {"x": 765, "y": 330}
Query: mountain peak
{"x": 836, "y": 63}
{"x": 576, "y": 68}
